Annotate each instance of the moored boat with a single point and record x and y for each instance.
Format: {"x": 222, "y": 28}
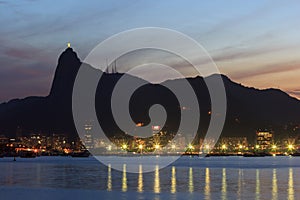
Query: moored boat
{"x": 295, "y": 154}
{"x": 81, "y": 154}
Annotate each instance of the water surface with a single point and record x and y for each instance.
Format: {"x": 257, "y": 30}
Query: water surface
{"x": 188, "y": 178}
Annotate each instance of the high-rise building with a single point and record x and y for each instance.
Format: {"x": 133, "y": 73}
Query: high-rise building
{"x": 264, "y": 139}
{"x": 88, "y": 137}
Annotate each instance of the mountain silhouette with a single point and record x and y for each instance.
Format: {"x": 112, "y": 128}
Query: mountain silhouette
{"x": 248, "y": 109}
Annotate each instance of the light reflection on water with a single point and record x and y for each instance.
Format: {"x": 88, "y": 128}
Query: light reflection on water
{"x": 274, "y": 185}
{"x": 109, "y": 184}
{"x": 239, "y": 191}
{"x": 173, "y": 180}
{"x": 207, "y": 182}
{"x": 209, "y": 177}
{"x": 124, "y": 179}
{"x": 218, "y": 179}
{"x": 156, "y": 188}
{"x": 257, "y": 188}
{"x": 291, "y": 185}
{"x": 140, "y": 180}
{"x": 224, "y": 184}
{"x": 191, "y": 182}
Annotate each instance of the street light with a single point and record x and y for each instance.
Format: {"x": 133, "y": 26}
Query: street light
{"x": 290, "y": 147}
{"x": 124, "y": 146}
{"x": 190, "y": 146}
{"x": 157, "y": 146}
{"x": 224, "y": 147}
{"x": 207, "y": 148}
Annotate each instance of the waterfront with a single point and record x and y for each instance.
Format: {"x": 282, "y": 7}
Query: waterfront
{"x": 193, "y": 178}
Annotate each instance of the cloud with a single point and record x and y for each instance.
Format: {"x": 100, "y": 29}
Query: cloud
{"x": 267, "y": 69}
{"x": 21, "y": 53}
{"x": 232, "y": 53}
{"x": 257, "y": 14}
{"x": 294, "y": 92}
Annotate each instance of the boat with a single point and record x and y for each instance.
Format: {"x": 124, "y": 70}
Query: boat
{"x": 262, "y": 154}
{"x": 253, "y": 155}
{"x": 295, "y": 154}
{"x": 218, "y": 154}
{"x": 81, "y": 154}
{"x": 190, "y": 154}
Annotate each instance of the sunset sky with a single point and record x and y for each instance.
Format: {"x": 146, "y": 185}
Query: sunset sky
{"x": 256, "y": 43}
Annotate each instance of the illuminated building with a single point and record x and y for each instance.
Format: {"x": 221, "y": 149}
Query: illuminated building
{"x": 88, "y": 138}
{"x": 58, "y": 141}
{"x": 264, "y": 139}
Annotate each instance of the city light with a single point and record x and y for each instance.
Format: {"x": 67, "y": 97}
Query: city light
{"x": 140, "y": 124}
{"x": 155, "y": 128}
{"x": 124, "y": 146}
{"x": 67, "y": 151}
{"x": 290, "y": 147}
{"x": 224, "y": 147}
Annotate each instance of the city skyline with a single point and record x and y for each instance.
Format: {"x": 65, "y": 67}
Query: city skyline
{"x": 255, "y": 45}
{"x": 149, "y": 99}
{"x": 264, "y": 144}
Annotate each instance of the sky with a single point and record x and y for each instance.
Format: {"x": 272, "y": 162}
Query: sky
{"x": 255, "y": 43}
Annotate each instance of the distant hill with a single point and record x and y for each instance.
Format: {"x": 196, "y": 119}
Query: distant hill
{"x": 248, "y": 110}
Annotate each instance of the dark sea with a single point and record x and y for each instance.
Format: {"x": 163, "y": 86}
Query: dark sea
{"x": 187, "y": 178}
